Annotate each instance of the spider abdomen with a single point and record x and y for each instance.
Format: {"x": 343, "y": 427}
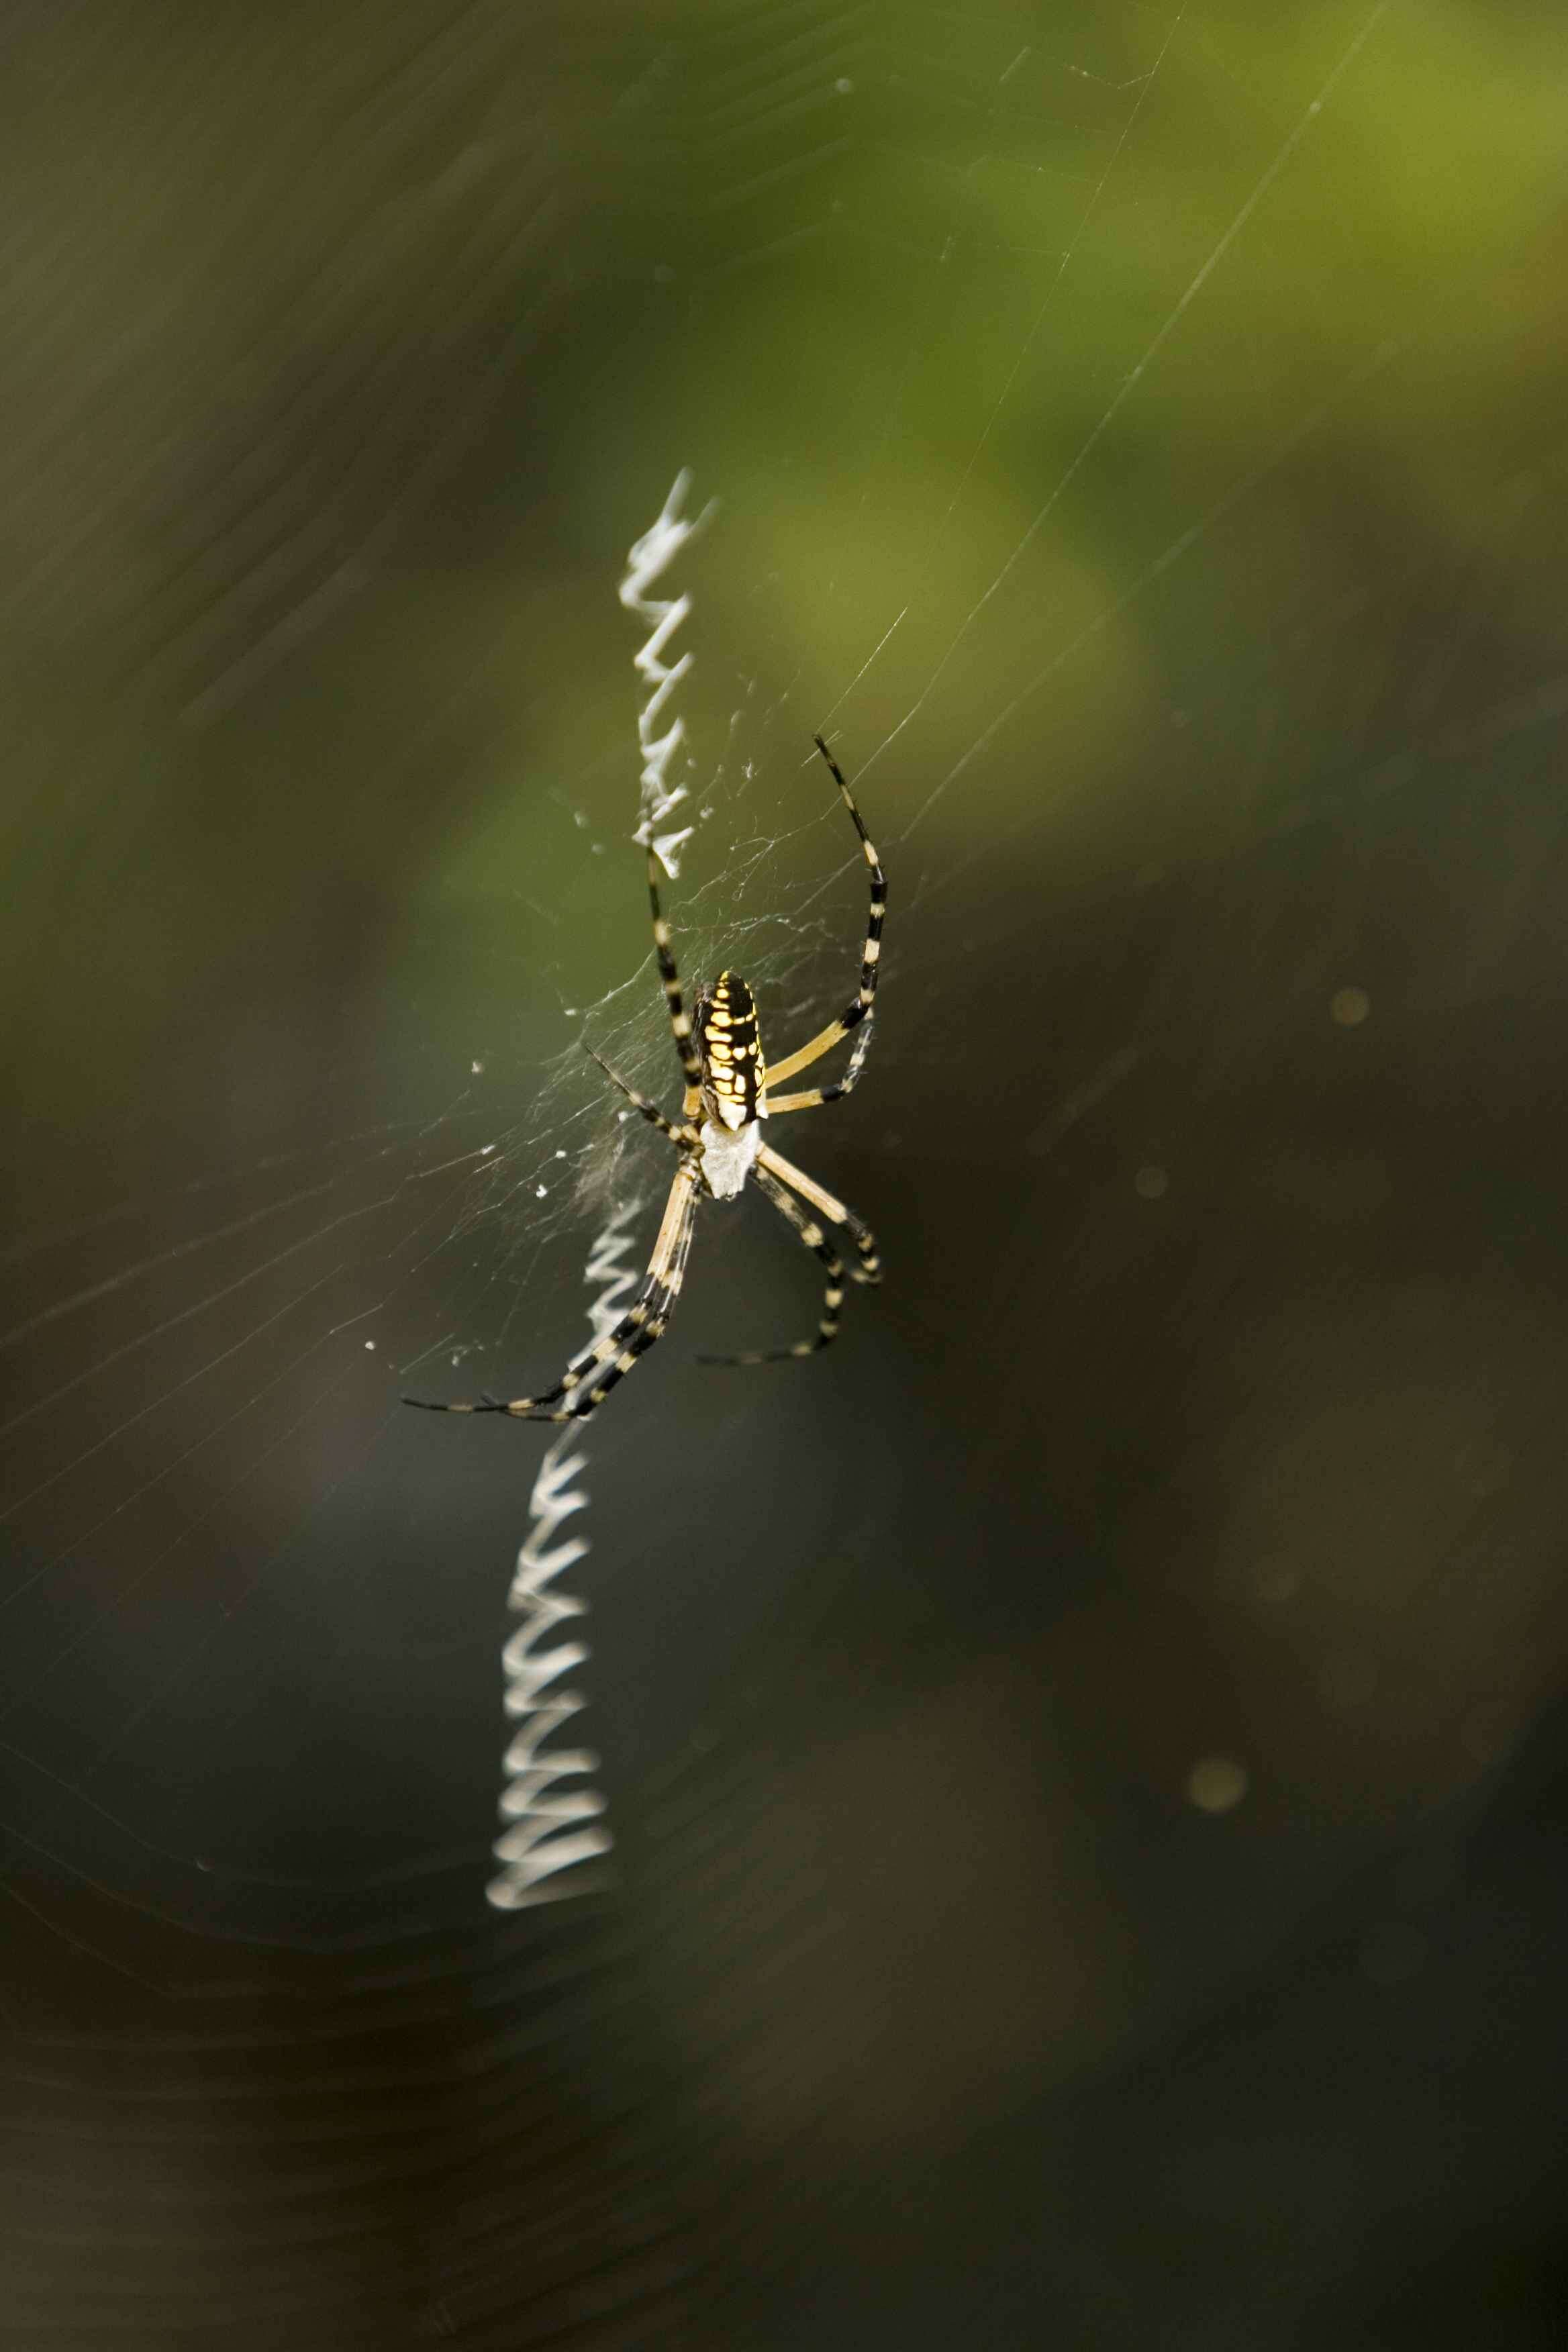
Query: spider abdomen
{"x": 733, "y": 1072}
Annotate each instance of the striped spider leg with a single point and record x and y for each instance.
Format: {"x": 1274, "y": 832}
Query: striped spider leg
{"x": 868, "y": 1267}
{"x": 685, "y": 1134}
{"x": 679, "y": 1019}
{"x": 771, "y": 1175}
{"x": 860, "y": 1008}
{"x": 645, "y": 1320}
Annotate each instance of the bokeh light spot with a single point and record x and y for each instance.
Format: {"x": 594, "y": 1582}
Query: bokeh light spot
{"x": 1217, "y": 1784}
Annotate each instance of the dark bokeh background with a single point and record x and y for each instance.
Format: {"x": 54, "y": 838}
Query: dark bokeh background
{"x": 1087, "y": 1759}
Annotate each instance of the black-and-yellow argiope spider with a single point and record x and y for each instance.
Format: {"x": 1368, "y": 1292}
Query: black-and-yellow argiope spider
{"x": 729, "y": 1084}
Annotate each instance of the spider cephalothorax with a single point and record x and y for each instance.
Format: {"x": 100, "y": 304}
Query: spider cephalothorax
{"x": 734, "y": 1075}
{"x": 719, "y": 1137}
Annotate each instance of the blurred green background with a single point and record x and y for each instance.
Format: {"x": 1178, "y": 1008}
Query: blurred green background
{"x": 1086, "y": 1757}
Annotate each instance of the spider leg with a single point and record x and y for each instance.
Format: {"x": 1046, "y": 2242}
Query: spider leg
{"x": 650, "y": 1110}
{"x": 859, "y": 1005}
{"x": 812, "y": 1234}
{"x": 612, "y": 1357}
{"x": 813, "y": 1096}
{"x": 870, "y": 1266}
{"x": 679, "y": 1019}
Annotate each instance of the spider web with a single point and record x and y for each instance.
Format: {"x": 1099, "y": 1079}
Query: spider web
{"x": 1132, "y": 441}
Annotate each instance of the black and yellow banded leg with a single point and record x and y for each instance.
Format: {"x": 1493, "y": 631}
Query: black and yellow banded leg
{"x": 596, "y": 1369}
{"x": 816, "y": 1241}
{"x": 859, "y": 1007}
{"x": 679, "y": 1019}
{"x": 660, "y": 1307}
{"x": 870, "y": 1266}
{"x": 650, "y": 1110}
{"x": 814, "y": 1096}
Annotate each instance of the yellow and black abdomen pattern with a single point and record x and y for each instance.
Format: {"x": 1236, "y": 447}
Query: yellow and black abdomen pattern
{"x": 733, "y": 1068}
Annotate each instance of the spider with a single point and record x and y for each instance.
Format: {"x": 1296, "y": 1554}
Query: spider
{"x": 719, "y": 1138}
